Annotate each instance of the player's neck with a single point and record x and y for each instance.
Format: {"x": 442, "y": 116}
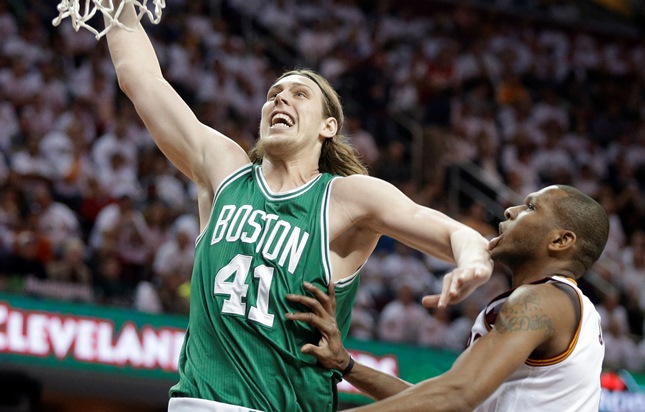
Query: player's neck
{"x": 285, "y": 176}
{"x": 535, "y": 271}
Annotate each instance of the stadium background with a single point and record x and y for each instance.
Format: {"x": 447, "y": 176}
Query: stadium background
{"x": 462, "y": 105}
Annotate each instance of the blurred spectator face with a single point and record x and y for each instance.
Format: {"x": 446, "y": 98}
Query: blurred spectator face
{"x": 183, "y": 238}
{"x": 74, "y": 250}
{"x": 26, "y": 245}
{"x": 405, "y": 294}
{"x": 112, "y": 268}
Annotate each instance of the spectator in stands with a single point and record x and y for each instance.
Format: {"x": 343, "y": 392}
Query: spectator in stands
{"x": 510, "y": 89}
{"x": 434, "y": 331}
{"x": 406, "y": 266}
{"x": 116, "y": 140}
{"x": 364, "y": 315}
{"x": 620, "y": 350}
{"x": 459, "y": 329}
{"x": 29, "y": 162}
{"x": 476, "y": 216}
{"x": 110, "y": 288}
{"x": 117, "y": 174}
{"x": 169, "y": 185}
{"x": 19, "y": 83}
{"x": 173, "y": 263}
{"x": 13, "y": 206}
{"x": 93, "y": 200}
{"x": 612, "y": 313}
{"x": 639, "y": 365}
{"x": 394, "y": 164}
{"x": 70, "y": 272}
{"x": 67, "y": 152}
{"x": 121, "y": 229}
{"x": 71, "y": 266}
{"x": 8, "y": 122}
{"x": 400, "y": 319}
{"x": 54, "y": 219}
{"x": 158, "y": 218}
{"x": 633, "y": 260}
{"x": 24, "y": 260}
{"x": 362, "y": 140}
{"x": 53, "y": 88}
{"x": 552, "y": 162}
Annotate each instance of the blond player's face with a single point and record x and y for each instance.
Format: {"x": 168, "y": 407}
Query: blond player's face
{"x": 292, "y": 116}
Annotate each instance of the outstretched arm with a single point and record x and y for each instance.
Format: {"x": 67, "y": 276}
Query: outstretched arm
{"x": 185, "y": 141}
{"x": 375, "y": 206}
{"x": 531, "y": 319}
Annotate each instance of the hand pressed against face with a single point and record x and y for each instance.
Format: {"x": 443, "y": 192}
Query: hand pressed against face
{"x": 293, "y": 115}
{"x": 523, "y": 235}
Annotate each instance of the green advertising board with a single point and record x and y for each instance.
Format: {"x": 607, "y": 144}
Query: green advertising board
{"x": 82, "y": 337}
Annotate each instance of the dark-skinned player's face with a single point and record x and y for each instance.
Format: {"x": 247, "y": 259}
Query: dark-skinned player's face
{"x": 523, "y": 235}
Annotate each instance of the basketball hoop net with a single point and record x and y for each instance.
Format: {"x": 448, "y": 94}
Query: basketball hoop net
{"x": 80, "y": 16}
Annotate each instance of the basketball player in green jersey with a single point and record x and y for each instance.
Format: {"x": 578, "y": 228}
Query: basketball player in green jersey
{"x": 298, "y": 208}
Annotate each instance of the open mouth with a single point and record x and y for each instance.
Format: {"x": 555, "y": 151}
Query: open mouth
{"x": 281, "y": 120}
{"x": 494, "y": 241}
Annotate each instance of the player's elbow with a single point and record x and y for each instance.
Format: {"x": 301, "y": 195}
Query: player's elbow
{"x": 461, "y": 400}
{"x": 139, "y": 85}
{"x": 132, "y": 78}
{"x": 126, "y": 75}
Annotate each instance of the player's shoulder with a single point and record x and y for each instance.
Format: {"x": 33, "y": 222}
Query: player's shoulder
{"x": 544, "y": 296}
{"x": 358, "y": 186}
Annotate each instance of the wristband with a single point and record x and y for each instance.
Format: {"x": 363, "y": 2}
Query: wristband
{"x": 349, "y": 367}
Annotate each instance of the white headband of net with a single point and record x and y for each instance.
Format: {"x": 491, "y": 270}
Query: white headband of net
{"x": 80, "y": 18}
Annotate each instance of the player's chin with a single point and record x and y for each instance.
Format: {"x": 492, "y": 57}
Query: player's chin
{"x": 496, "y": 251}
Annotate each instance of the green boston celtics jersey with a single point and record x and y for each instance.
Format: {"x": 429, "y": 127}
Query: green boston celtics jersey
{"x": 259, "y": 246}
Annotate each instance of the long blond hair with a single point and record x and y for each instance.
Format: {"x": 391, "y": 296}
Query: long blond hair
{"x": 337, "y": 155}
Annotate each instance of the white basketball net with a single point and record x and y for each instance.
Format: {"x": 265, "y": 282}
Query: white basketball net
{"x": 80, "y": 18}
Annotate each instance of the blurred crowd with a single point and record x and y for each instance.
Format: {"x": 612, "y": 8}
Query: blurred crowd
{"x": 91, "y": 211}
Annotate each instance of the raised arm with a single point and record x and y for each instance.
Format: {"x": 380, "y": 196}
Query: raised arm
{"x": 201, "y": 153}
{"x": 375, "y": 206}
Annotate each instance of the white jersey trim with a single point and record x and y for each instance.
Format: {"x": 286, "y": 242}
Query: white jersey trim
{"x": 204, "y": 405}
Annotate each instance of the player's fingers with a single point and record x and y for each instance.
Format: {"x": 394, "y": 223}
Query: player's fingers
{"x": 327, "y": 300}
{"x": 430, "y": 301}
{"x": 308, "y": 349}
{"x": 323, "y": 323}
{"x": 306, "y": 317}
{"x": 444, "y": 298}
{"x": 481, "y": 276}
{"x": 313, "y": 304}
{"x": 325, "y": 358}
{"x": 456, "y": 284}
